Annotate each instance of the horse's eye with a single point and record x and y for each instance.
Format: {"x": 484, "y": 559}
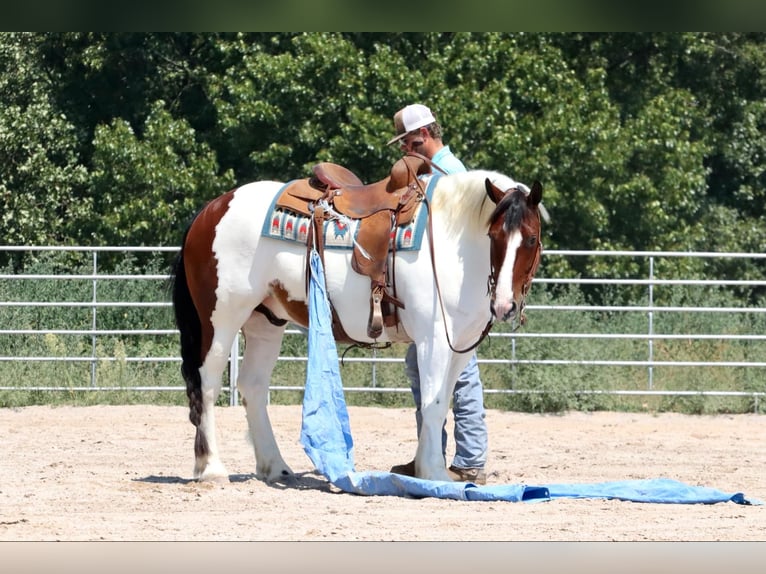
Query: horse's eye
{"x": 532, "y": 241}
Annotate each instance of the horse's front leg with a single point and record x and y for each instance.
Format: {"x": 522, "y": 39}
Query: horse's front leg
{"x": 438, "y": 373}
{"x": 429, "y": 458}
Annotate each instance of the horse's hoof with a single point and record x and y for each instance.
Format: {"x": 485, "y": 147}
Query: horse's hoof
{"x": 281, "y": 474}
{"x": 218, "y": 479}
{"x": 286, "y": 478}
{"x": 440, "y": 476}
{"x": 215, "y": 473}
{"x": 214, "y": 478}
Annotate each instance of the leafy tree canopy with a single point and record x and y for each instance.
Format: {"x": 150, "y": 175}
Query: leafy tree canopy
{"x": 643, "y": 141}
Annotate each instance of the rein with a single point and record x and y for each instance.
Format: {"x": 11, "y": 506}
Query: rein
{"x": 315, "y": 241}
{"x": 492, "y": 282}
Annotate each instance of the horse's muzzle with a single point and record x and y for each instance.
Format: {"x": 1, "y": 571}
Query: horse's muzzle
{"x": 504, "y": 312}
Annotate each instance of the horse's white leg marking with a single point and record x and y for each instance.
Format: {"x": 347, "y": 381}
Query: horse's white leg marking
{"x": 504, "y": 290}
{"x": 229, "y": 315}
{"x": 211, "y": 467}
{"x": 429, "y": 461}
{"x": 439, "y": 369}
{"x": 262, "y": 346}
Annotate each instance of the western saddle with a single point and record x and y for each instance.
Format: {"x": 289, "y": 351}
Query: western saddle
{"x": 380, "y": 208}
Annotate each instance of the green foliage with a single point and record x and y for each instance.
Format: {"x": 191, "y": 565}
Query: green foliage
{"x": 643, "y": 140}
{"x": 149, "y": 188}
{"x": 41, "y": 179}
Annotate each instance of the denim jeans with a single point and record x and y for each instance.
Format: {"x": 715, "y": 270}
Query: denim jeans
{"x": 467, "y": 408}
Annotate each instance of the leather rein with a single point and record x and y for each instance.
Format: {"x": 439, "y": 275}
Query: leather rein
{"x": 490, "y": 282}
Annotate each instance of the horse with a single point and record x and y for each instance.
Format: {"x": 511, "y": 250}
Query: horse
{"x": 475, "y": 266}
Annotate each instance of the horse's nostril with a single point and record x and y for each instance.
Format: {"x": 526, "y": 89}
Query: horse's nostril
{"x": 511, "y": 311}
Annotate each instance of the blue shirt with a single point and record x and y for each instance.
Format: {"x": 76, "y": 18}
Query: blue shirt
{"x": 446, "y": 160}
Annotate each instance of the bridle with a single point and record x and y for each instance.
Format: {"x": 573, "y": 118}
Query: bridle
{"x": 530, "y": 275}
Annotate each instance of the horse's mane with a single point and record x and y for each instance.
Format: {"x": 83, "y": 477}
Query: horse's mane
{"x": 462, "y": 199}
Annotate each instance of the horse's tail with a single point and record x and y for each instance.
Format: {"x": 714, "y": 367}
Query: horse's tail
{"x": 188, "y": 323}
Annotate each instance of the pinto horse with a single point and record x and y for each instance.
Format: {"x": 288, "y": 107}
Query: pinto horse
{"x": 476, "y": 263}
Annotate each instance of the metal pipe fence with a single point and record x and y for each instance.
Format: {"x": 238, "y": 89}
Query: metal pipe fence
{"x": 650, "y": 337}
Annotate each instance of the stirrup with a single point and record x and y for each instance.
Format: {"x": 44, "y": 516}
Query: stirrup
{"x": 375, "y": 321}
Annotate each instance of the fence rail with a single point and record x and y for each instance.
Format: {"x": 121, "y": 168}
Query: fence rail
{"x": 650, "y": 337}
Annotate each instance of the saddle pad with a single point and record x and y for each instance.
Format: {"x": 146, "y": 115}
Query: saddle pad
{"x": 290, "y": 226}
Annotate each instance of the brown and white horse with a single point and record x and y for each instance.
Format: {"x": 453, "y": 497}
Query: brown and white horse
{"x": 475, "y": 265}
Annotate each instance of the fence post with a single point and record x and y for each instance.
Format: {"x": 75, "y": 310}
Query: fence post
{"x": 513, "y": 363}
{"x": 374, "y": 369}
{"x": 93, "y": 325}
{"x": 651, "y": 322}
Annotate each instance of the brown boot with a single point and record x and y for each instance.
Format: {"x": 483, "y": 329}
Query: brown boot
{"x": 405, "y": 469}
{"x": 473, "y": 475}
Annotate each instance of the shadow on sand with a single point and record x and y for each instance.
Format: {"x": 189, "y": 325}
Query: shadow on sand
{"x": 299, "y": 481}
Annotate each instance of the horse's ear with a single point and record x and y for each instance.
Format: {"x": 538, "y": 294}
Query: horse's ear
{"x": 535, "y": 194}
{"x": 493, "y": 192}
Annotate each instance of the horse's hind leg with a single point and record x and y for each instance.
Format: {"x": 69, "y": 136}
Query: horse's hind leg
{"x": 208, "y": 465}
{"x": 262, "y": 345}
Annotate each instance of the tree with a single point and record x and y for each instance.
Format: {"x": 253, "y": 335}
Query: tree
{"x": 146, "y": 189}
{"x": 41, "y": 177}
{"x": 643, "y": 141}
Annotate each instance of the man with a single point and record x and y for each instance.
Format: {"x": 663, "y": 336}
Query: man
{"x": 418, "y": 131}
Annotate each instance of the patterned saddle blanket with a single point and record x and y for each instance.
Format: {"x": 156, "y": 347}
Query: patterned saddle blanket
{"x": 340, "y": 231}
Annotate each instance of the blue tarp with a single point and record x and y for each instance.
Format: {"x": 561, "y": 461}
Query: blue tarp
{"x": 326, "y": 438}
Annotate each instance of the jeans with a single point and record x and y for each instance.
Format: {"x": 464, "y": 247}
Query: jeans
{"x": 467, "y": 408}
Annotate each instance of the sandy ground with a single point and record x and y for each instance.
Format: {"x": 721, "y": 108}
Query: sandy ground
{"x": 124, "y": 474}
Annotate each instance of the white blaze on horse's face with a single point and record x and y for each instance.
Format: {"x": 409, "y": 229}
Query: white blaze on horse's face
{"x": 504, "y": 305}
